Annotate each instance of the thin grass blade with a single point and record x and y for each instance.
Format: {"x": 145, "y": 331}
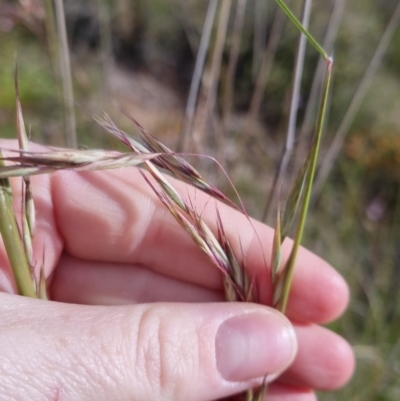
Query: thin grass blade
{"x": 168, "y": 160}
{"x": 12, "y": 241}
{"x": 276, "y": 247}
{"x": 301, "y": 28}
{"x": 286, "y": 279}
{"x": 293, "y": 202}
{"x": 28, "y": 213}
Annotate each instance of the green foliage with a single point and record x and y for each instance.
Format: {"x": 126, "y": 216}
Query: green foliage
{"x": 37, "y": 88}
{"x": 364, "y": 247}
{"x": 36, "y": 83}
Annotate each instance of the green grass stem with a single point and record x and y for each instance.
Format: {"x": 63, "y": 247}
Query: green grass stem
{"x": 12, "y": 241}
{"x": 303, "y": 30}
{"x": 289, "y": 269}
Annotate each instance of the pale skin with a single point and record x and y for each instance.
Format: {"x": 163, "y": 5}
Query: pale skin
{"x": 139, "y": 312}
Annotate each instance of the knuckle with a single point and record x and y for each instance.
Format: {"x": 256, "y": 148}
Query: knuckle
{"x": 166, "y": 354}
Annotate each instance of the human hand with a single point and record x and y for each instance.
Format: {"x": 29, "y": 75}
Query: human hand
{"x": 152, "y": 325}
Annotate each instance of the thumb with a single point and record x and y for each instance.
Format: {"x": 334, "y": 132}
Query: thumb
{"x": 145, "y": 352}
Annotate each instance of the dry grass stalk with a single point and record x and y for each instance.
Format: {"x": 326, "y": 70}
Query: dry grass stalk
{"x": 66, "y": 77}
{"x": 266, "y": 64}
{"x": 294, "y": 106}
{"x": 233, "y": 60}
{"x": 187, "y": 125}
{"x": 216, "y": 64}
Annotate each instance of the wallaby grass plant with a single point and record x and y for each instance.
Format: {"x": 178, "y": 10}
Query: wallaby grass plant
{"x": 152, "y": 156}
{"x": 371, "y": 249}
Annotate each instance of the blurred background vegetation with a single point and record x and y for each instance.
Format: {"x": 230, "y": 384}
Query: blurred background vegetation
{"x": 141, "y": 54}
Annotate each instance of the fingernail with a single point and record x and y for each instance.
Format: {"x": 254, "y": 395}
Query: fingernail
{"x": 254, "y": 345}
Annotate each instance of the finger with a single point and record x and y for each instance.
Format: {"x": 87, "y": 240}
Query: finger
{"x": 324, "y": 361}
{"x": 84, "y": 282}
{"x": 95, "y": 283}
{"x": 163, "y": 352}
{"x": 114, "y": 216}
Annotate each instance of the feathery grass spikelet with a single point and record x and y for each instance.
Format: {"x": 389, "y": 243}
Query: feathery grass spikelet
{"x": 168, "y": 160}
{"x": 201, "y": 234}
{"x": 33, "y": 163}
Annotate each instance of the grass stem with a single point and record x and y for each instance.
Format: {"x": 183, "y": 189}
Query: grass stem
{"x": 294, "y": 106}
{"x": 12, "y": 241}
{"x": 66, "y": 76}
{"x": 330, "y": 38}
{"x": 233, "y": 60}
{"x": 302, "y": 29}
{"x": 197, "y": 75}
{"x": 289, "y": 269}
{"x": 266, "y": 64}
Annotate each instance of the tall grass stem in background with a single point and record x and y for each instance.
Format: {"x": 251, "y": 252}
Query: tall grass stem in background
{"x": 52, "y": 38}
{"x": 104, "y": 16}
{"x": 294, "y": 106}
{"x": 215, "y": 71}
{"x": 228, "y": 94}
{"x": 214, "y": 77}
{"x": 189, "y": 27}
{"x": 187, "y": 125}
{"x": 66, "y": 76}
{"x": 357, "y": 100}
{"x": 330, "y": 38}
{"x": 266, "y": 64}
{"x": 260, "y": 34}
